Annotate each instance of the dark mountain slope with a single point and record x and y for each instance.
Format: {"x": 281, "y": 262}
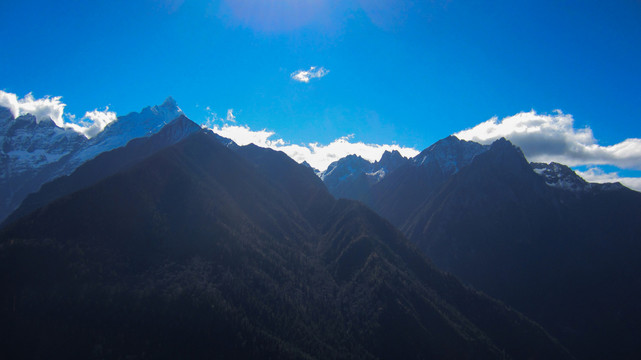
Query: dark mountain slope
{"x": 197, "y": 252}
{"x": 402, "y": 192}
{"x": 190, "y": 229}
{"x": 378, "y": 271}
{"x": 568, "y": 259}
{"x": 300, "y": 182}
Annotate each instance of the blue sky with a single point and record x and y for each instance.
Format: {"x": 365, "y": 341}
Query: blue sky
{"x": 399, "y": 72}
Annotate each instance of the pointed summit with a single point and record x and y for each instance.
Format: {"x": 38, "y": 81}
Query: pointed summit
{"x": 387, "y": 155}
{"x": 169, "y": 103}
{"x": 449, "y": 154}
{"x": 169, "y": 108}
{"x": 391, "y": 160}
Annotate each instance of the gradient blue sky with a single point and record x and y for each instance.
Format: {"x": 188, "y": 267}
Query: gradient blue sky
{"x": 404, "y": 72}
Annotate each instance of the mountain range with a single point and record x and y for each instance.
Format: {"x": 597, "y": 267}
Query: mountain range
{"x": 35, "y": 151}
{"x": 159, "y": 239}
{"x": 200, "y": 248}
{"x": 538, "y": 237}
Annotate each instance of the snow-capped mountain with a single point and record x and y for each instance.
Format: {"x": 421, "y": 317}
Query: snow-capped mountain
{"x": 562, "y": 177}
{"x": 134, "y": 125}
{"x": 352, "y": 165}
{"x": 449, "y": 154}
{"x": 353, "y": 173}
{"x": 34, "y": 152}
{"x": 26, "y": 143}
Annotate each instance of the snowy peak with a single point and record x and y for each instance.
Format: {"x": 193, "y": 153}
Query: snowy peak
{"x": 560, "y": 176}
{"x": 134, "y": 125}
{"x": 33, "y": 153}
{"x": 26, "y": 143}
{"x": 349, "y": 165}
{"x": 170, "y": 103}
{"x": 449, "y": 154}
{"x": 352, "y": 176}
{"x": 164, "y": 112}
{"x": 563, "y": 177}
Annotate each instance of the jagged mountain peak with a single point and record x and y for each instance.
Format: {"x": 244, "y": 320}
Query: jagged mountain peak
{"x": 347, "y": 165}
{"x": 391, "y": 156}
{"x": 504, "y": 143}
{"x": 563, "y": 177}
{"x": 354, "y": 157}
{"x": 560, "y": 176}
{"x": 169, "y": 103}
{"x": 449, "y": 154}
{"x": 390, "y": 161}
{"x": 33, "y": 153}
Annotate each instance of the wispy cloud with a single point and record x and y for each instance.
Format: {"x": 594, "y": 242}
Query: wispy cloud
{"x": 50, "y": 108}
{"x": 312, "y": 73}
{"x": 553, "y": 137}
{"x": 317, "y": 155}
{"x": 212, "y": 119}
{"x": 230, "y": 115}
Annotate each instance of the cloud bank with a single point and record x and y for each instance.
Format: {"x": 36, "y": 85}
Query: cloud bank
{"x": 552, "y": 137}
{"x": 306, "y": 75}
{"x": 51, "y": 108}
{"x": 317, "y": 155}
{"x": 43, "y": 109}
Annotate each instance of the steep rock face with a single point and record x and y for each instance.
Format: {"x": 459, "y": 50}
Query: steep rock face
{"x": 564, "y": 255}
{"x": 236, "y": 253}
{"x": 34, "y": 152}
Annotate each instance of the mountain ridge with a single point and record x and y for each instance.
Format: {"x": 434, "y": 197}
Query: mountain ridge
{"x": 240, "y": 252}
{"x": 536, "y": 236}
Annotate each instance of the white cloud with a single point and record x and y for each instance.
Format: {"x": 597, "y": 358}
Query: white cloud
{"x": 93, "y": 122}
{"x": 42, "y": 109}
{"x": 230, "y": 115}
{"x": 317, "y": 155}
{"x": 552, "y": 137}
{"x": 312, "y": 73}
{"x": 52, "y": 108}
{"x": 597, "y": 175}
